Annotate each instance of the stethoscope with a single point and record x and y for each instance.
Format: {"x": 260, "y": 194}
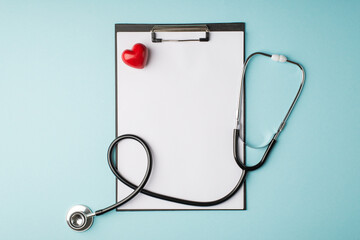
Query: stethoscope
{"x": 80, "y": 217}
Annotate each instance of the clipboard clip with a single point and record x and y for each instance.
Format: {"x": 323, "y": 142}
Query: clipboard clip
{"x": 180, "y": 28}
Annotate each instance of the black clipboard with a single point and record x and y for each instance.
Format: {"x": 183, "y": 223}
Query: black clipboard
{"x": 153, "y": 30}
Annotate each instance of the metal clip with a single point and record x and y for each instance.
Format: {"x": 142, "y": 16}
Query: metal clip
{"x": 180, "y": 28}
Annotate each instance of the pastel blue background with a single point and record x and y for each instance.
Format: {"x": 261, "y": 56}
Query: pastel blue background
{"x": 57, "y": 119}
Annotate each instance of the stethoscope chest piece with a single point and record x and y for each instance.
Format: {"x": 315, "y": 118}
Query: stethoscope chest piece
{"x": 80, "y": 218}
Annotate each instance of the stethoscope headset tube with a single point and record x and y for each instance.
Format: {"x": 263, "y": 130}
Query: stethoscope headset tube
{"x": 237, "y": 130}
{"x": 80, "y": 217}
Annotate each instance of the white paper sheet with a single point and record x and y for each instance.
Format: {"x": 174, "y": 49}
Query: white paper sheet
{"x": 183, "y": 103}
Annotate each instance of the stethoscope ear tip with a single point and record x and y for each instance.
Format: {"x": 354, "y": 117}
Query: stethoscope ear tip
{"x": 80, "y": 218}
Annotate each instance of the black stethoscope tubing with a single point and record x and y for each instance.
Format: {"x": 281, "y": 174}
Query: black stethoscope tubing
{"x": 141, "y": 187}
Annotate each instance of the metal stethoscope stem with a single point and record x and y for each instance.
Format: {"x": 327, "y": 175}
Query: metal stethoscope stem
{"x": 278, "y": 58}
{"x": 80, "y": 217}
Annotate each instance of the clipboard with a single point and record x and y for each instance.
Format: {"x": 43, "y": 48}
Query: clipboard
{"x": 183, "y": 104}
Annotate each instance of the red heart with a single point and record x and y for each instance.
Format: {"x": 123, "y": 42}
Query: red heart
{"x": 137, "y": 57}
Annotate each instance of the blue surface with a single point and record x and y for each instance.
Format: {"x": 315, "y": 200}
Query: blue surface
{"x": 57, "y": 119}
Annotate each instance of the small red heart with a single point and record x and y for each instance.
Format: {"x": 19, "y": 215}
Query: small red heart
{"x": 137, "y": 57}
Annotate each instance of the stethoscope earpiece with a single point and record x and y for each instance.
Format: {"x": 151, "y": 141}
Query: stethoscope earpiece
{"x": 80, "y": 218}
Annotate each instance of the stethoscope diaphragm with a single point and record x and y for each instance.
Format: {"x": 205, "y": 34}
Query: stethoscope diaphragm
{"x": 80, "y": 218}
